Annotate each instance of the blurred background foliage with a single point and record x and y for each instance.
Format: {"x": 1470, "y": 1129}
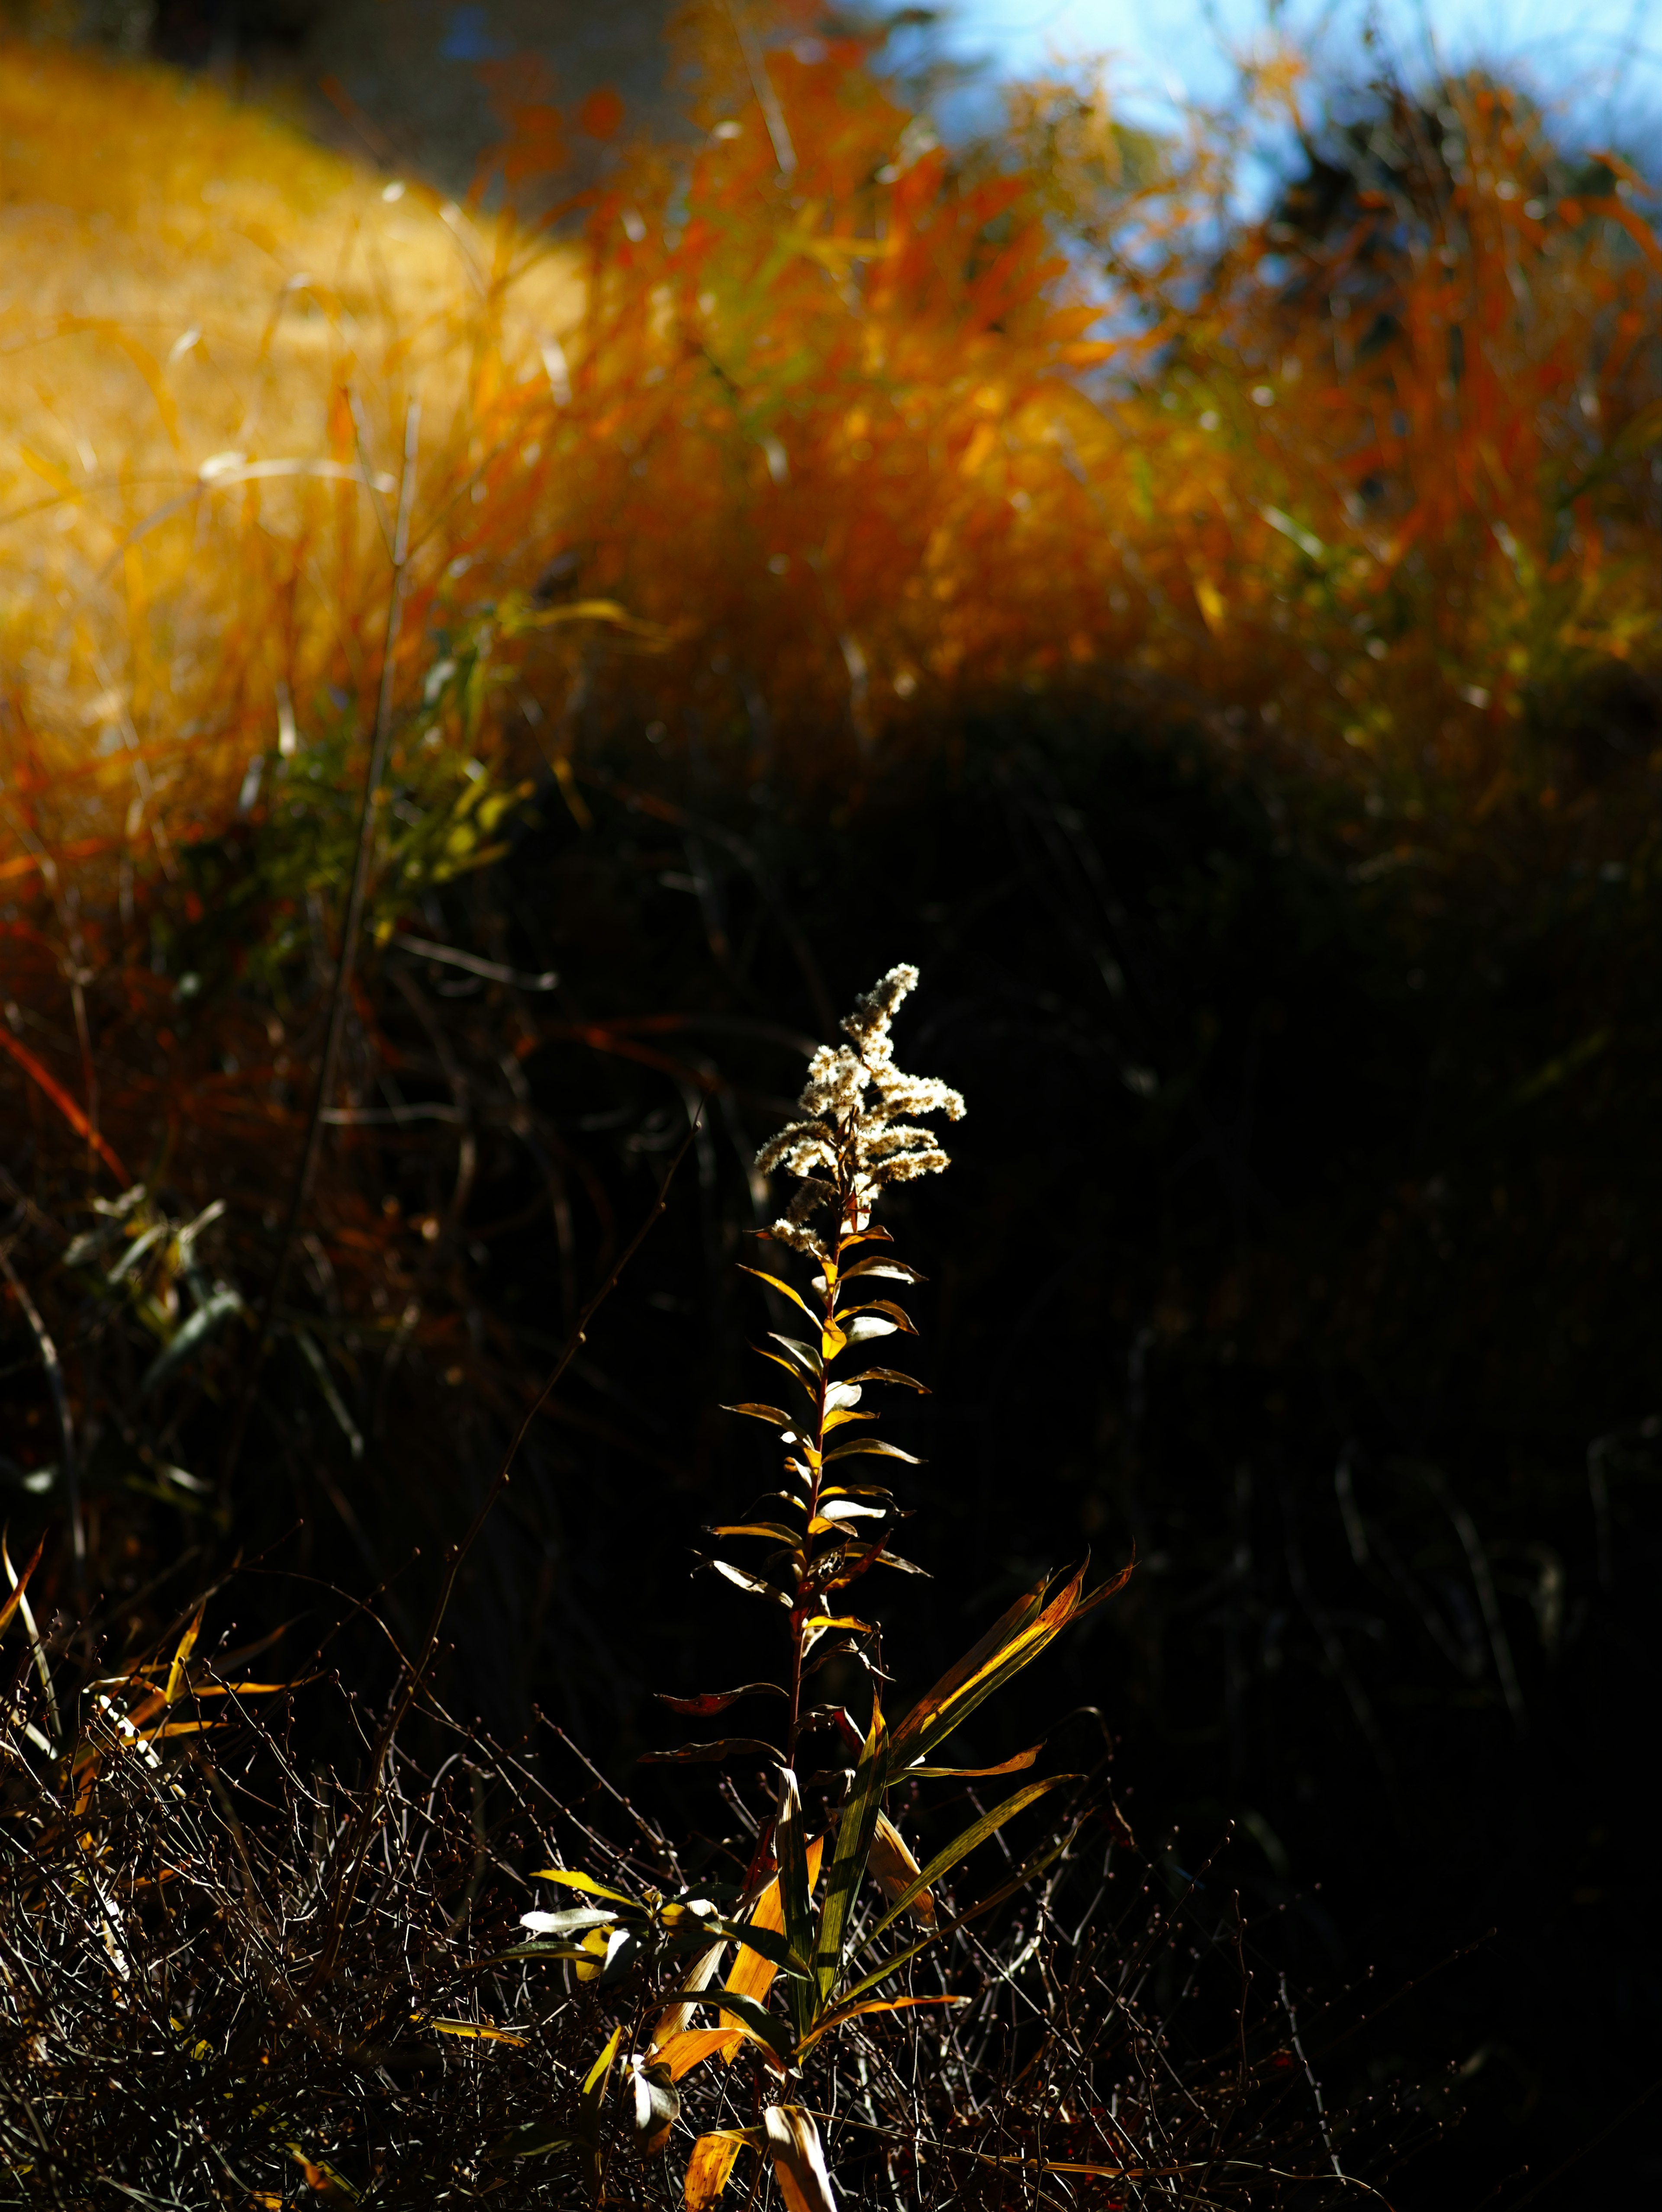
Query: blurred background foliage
{"x": 1220, "y": 647}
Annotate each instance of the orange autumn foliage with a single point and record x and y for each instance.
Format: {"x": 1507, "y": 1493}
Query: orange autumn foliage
{"x": 853, "y": 430}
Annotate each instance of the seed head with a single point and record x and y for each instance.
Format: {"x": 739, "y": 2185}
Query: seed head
{"x": 852, "y": 1139}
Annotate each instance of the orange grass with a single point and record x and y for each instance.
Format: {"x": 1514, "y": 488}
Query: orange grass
{"x": 837, "y": 426}
{"x": 842, "y": 420}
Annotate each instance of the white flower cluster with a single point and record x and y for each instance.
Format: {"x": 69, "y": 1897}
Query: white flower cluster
{"x": 849, "y": 1144}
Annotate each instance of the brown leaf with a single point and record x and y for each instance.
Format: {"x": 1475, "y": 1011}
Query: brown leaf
{"x": 727, "y": 1747}
{"x": 893, "y": 1869}
{"x": 715, "y": 1701}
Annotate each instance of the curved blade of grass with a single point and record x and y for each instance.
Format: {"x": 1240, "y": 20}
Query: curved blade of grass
{"x": 961, "y": 1846}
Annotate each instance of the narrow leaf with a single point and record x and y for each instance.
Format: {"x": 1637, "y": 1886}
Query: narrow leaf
{"x": 593, "y": 2086}
{"x": 893, "y": 1869}
{"x": 783, "y": 1288}
{"x": 586, "y": 1882}
{"x": 896, "y": 1270}
{"x": 567, "y": 1923}
{"x": 712, "y": 2162}
{"x": 740, "y": 1580}
{"x": 771, "y": 1414}
{"x": 790, "y": 1846}
{"x": 803, "y": 1354}
{"x": 9, "y": 1605}
{"x": 798, "y": 2160}
{"x": 709, "y": 1702}
{"x": 871, "y": 2004}
{"x": 1012, "y": 1643}
{"x": 871, "y": 1448}
{"x": 961, "y": 1846}
{"x": 854, "y": 1843}
{"x": 892, "y": 1375}
{"x": 1012, "y": 1765}
{"x": 473, "y": 2029}
{"x": 694, "y": 1754}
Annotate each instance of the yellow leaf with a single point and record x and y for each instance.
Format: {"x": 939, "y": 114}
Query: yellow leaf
{"x": 893, "y": 1869}
{"x": 710, "y": 2166}
{"x": 474, "y": 2030}
{"x": 798, "y": 2160}
{"x": 176, "y": 1675}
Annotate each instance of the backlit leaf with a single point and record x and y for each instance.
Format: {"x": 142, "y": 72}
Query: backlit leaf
{"x": 790, "y": 1848}
{"x": 797, "y": 2159}
{"x": 894, "y": 1869}
{"x": 962, "y": 1845}
{"x": 740, "y": 1580}
{"x": 855, "y": 1831}
{"x": 567, "y": 1923}
{"x": 892, "y": 1375}
{"x": 769, "y": 1413}
{"x": 471, "y": 2030}
{"x": 783, "y": 1288}
{"x": 802, "y": 1354}
{"x": 1026, "y": 1629}
{"x": 568, "y": 1879}
{"x": 1012, "y": 1766}
{"x": 13, "y": 1600}
{"x": 711, "y": 2162}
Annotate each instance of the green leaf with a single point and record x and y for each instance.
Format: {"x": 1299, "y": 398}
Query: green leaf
{"x": 537, "y": 2137}
{"x": 767, "y": 1942}
{"x": 206, "y": 1318}
{"x": 775, "y": 1528}
{"x": 896, "y": 1270}
{"x": 854, "y": 1843}
{"x": 961, "y": 1846}
{"x": 791, "y": 1849}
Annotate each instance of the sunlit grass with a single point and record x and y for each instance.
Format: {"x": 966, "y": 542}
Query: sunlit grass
{"x": 831, "y": 409}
